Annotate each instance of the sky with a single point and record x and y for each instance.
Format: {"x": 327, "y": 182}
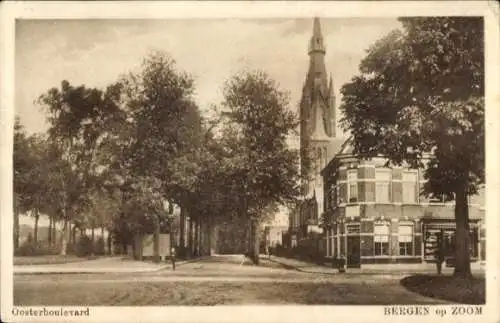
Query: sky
{"x": 95, "y": 52}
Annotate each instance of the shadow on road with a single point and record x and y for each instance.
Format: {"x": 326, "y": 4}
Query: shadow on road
{"x": 292, "y": 267}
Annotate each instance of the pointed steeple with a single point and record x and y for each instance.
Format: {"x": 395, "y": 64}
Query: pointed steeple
{"x": 316, "y": 27}
{"x": 316, "y": 44}
{"x": 316, "y": 79}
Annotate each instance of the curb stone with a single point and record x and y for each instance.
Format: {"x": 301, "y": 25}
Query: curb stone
{"x": 76, "y": 271}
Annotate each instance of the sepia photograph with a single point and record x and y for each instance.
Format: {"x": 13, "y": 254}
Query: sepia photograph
{"x": 249, "y": 161}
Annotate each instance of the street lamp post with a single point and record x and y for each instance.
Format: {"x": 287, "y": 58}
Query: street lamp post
{"x": 168, "y": 207}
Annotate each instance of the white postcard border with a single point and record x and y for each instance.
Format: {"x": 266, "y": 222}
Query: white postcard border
{"x": 182, "y": 10}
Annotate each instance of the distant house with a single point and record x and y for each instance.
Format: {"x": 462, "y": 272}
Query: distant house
{"x": 274, "y": 235}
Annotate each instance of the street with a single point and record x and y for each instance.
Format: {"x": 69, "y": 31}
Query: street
{"x": 222, "y": 280}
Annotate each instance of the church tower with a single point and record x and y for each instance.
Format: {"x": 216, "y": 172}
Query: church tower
{"x": 317, "y": 120}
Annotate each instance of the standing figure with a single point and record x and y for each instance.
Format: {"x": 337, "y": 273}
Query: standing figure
{"x": 439, "y": 254}
{"x": 172, "y": 257}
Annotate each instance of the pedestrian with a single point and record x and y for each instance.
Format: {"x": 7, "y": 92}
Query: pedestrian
{"x": 342, "y": 264}
{"x": 439, "y": 257}
{"x": 268, "y": 251}
{"x": 172, "y": 257}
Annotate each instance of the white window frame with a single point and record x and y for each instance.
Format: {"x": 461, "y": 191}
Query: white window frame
{"x": 405, "y": 240}
{"x": 413, "y": 181}
{"x": 352, "y": 180}
{"x": 381, "y": 239}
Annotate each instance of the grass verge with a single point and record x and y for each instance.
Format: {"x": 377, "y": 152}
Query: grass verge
{"x": 48, "y": 260}
{"x": 457, "y": 290}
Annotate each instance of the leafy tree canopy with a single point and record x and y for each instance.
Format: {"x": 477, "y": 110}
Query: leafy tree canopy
{"x": 420, "y": 94}
{"x": 260, "y": 121}
{"x": 419, "y": 100}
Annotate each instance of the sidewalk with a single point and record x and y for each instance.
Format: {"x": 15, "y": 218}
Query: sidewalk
{"x": 368, "y": 269}
{"x": 104, "y": 265}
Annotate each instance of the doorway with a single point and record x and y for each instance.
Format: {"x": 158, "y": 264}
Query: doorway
{"x": 353, "y": 251}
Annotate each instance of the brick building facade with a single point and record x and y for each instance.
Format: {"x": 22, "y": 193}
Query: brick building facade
{"x": 376, "y": 214}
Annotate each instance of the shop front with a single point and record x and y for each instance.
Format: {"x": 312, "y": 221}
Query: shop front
{"x": 440, "y": 233}
{"x": 378, "y": 240}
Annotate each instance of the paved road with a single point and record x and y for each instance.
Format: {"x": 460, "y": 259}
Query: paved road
{"x": 212, "y": 281}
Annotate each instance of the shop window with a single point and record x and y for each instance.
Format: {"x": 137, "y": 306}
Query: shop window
{"x": 383, "y": 185}
{"x": 405, "y": 238}
{"x": 410, "y": 187}
{"x": 381, "y": 239}
{"x": 352, "y": 185}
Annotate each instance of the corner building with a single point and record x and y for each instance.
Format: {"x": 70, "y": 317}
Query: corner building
{"x": 376, "y": 214}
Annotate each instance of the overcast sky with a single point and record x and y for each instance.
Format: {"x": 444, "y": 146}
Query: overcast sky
{"x": 96, "y": 52}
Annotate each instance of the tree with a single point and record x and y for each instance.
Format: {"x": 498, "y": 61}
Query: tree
{"x": 263, "y": 166}
{"x": 22, "y": 166}
{"x": 163, "y": 131}
{"x": 80, "y": 119}
{"x": 420, "y": 100}
{"x": 31, "y": 163}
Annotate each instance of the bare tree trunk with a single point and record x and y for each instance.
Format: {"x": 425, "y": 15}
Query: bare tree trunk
{"x": 103, "y": 251}
{"x": 190, "y": 237}
{"x": 135, "y": 256}
{"x": 462, "y": 256}
{"x": 92, "y": 249}
{"x": 200, "y": 236}
{"x": 254, "y": 241}
{"x": 248, "y": 237}
{"x": 156, "y": 240}
{"x": 209, "y": 237}
{"x": 70, "y": 233}
{"x": 54, "y": 232}
{"x": 64, "y": 238}
{"x": 73, "y": 234}
{"x": 182, "y": 240}
{"x": 110, "y": 244}
{"x": 49, "y": 235}
{"x": 35, "y": 234}
{"x": 16, "y": 224}
{"x": 196, "y": 238}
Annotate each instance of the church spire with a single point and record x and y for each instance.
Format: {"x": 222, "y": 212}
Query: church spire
{"x": 316, "y": 44}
